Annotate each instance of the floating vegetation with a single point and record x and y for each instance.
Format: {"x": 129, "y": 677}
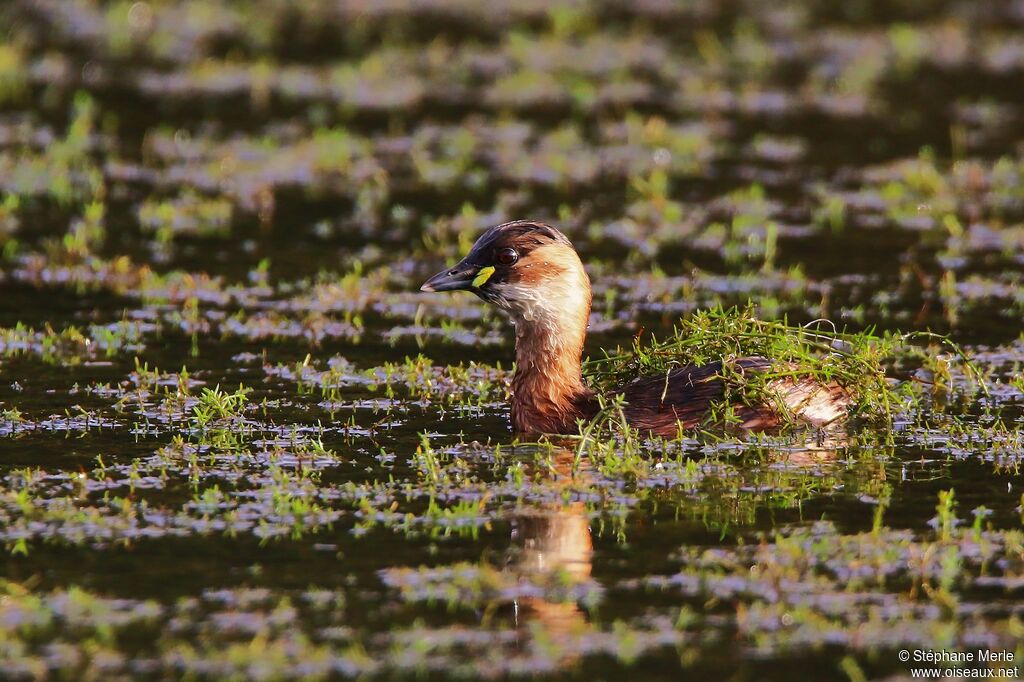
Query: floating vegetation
{"x": 854, "y": 362}
{"x": 236, "y": 442}
{"x": 188, "y": 214}
{"x": 71, "y": 346}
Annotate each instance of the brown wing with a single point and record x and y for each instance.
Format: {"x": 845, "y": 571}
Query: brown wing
{"x": 682, "y": 396}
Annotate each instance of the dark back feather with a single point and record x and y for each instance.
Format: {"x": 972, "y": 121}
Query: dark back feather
{"x": 682, "y": 397}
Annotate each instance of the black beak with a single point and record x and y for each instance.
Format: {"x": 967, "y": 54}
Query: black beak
{"x": 462, "y": 277}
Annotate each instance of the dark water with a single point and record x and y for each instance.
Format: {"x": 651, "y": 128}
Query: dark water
{"x": 211, "y": 195}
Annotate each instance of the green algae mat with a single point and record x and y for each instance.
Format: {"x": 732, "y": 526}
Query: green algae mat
{"x": 236, "y": 442}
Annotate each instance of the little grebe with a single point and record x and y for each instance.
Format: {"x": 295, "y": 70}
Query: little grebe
{"x": 532, "y": 271}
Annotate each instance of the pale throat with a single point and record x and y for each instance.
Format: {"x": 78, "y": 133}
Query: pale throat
{"x": 551, "y": 325}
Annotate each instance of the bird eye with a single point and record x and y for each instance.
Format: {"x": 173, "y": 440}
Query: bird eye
{"x": 506, "y": 256}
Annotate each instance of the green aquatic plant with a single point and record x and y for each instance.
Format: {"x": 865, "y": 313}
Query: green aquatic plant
{"x": 215, "y": 404}
{"x": 854, "y": 361}
{"x": 188, "y": 214}
{"x": 13, "y": 73}
{"x": 68, "y": 346}
{"x": 9, "y": 221}
{"x": 946, "y": 513}
{"x": 86, "y": 234}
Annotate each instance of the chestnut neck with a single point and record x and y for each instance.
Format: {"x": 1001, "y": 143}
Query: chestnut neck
{"x": 548, "y": 392}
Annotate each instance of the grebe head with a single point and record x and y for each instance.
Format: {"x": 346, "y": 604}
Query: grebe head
{"x": 531, "y": 271}
{"x": 526, "y": 268}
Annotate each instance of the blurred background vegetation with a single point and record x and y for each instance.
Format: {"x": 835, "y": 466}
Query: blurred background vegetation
{"x": 840, "y": 159}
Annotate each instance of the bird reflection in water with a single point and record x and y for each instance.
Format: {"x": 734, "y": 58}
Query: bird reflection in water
{"x": 551, "y": 544}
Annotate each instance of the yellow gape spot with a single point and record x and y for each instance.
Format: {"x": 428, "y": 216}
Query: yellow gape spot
{"x": 483, "y": 276}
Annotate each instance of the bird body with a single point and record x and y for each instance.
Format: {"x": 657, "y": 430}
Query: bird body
{"x": 532, "y": 271}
